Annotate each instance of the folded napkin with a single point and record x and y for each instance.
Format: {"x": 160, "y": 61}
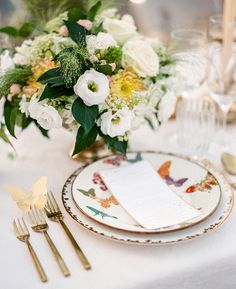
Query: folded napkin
{"x": 146, "y": 197}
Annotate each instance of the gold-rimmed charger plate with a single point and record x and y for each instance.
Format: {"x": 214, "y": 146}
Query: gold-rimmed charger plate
{"x": 188, "y": 179}
{"x": 221, "y": 213}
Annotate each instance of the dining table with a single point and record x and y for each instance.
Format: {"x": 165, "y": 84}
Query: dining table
{"x": 205, "y": 262}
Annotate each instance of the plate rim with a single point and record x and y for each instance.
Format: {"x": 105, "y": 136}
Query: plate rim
{"x": 184, "y": 226}
{"x": 221, "y": 219}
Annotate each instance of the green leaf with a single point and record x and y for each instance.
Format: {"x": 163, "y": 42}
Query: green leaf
{"x": 10, "y": 116}
{"x": 114, "y": 143}
{"x": 74, "y": 14}
{"x": 52, "y": 76}
{"x": 43, "y": 131}
{"x": 104, "y": 68}
{"x": 77, "y": 32}
{"x": 11, "y": 31}
{"x": 53, "y": 92}
{"x": 26, "y": 29}
{"x": 85, "y": 140}
{"x": 85, "y": 115}
{"x": 94, "y": 10}
{"x": 4, "y": 137}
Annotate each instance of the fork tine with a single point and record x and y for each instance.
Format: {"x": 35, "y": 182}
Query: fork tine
{"x": 31, "y": 217}
{"x": 55, "y": 202}
{"x": 36, "y": 221}
{"x": 26, "y": 229}
{"x": 38, "y": 215}
{"x": 15, "y": 228}
{"x": 51, "y": 204}
{"x": 20, "y": 228}
{"x": 40, "y": 212}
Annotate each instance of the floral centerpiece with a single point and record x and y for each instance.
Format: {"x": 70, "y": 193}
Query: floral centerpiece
{"x": 92, "y": 72}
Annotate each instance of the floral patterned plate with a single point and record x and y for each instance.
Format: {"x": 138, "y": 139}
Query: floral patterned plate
{"x": 163, "y": 238}
{"x": 194, "y": 183}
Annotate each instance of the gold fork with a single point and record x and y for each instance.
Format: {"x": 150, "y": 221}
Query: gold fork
{"x": 22, "y": 234}
{"x": 39, "y": 224}
{"x": 54, "y": 213}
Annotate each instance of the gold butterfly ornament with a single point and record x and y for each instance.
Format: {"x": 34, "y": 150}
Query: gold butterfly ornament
{"x": 26, "y": 199}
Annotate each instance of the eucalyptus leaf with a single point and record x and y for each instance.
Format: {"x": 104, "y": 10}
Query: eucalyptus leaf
{"x": 26, "y": 29}
{"x": 11, "y": 31}
{"x": 104, "y": 68}
{"x": 85, "y": 115}
{"x": 85, "y": 140}
{"x": 52, "y": 92}
{"x": 77, "y": 32}
{"x": 52, "y": 77}
{"x": 94, "y": 10}
{"x": 10, "y": 117}
{"x": 114, "y": 143}
{"x": 75, "y": 14}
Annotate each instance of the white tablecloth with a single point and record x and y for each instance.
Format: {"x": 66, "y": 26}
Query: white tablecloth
{"x": 208, "y": 262}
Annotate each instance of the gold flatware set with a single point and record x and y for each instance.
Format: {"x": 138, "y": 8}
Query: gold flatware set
{"x": 39, "y": 225}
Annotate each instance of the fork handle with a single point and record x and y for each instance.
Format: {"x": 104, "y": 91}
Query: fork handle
{"x": 37, "y": 263}
{"x": 77, "y": 248}
{"x": 57, "y": 255}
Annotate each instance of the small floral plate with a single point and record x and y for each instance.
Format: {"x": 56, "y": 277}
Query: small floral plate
{"x": 193, "y": 182}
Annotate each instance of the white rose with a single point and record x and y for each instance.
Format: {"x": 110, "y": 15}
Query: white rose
{"x": 92, "y": 87}
{"x": 116, "y": 124}
{"x": 46, "y": 116}
{"x": 167, "y": 106}
{"x": 141, "y": 57}
{"x": 23, "y": 52}
{"x": 6, "y": 62}
{"x": 101, "y": 41}
{"x": 2, "y": 102}
{"x": 122, "y": 30}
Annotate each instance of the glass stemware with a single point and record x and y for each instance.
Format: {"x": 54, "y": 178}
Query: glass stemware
{"x": 195, "y": 126}
{"x": 222, "y": 81}
{"x": 189, "y": 51}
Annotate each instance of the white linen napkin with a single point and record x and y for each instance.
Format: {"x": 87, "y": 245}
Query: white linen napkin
{"x": 146, "y": 197}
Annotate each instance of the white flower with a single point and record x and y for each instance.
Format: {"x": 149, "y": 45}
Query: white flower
{"x": 167, "y": 106}
{"x": 122, "y": 30}
{"x": 141, "y": 57}
{"x": 2, "y": 101}
{"x": 22, "y": 56}
{"x": 24, "y": 105}
{"x": 101, "y": 41}
{"x": 46, "y": 116}
{"x": 92, "y": 87}
{"x": 116, "y": 124}
{"x": 6, "y": 62}
{"x": 110, "y": 13}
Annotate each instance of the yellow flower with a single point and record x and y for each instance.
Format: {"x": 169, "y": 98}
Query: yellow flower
{"x": 122, "y": 87}
{"x": 39, "y": 67}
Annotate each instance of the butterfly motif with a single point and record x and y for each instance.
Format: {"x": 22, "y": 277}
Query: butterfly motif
{"x": 204, "y": 185}
{"x": 36, "y": 196}
{"x": 164, "y": 172}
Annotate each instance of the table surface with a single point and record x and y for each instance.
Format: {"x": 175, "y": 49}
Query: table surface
{"x": 208, "y": 262}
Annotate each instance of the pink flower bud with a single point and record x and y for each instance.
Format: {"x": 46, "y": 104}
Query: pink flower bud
{"x": 93, "y": 58}
{"x": 63, "y": 31}
{"x": 113, "y": 66}
{"x": 86, "y": 23}
{"x": 15, "y": 89}
{"x": 103, "y": 61}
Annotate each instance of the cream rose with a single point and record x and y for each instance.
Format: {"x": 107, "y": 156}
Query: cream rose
{"x": 92, "y": 87}
{"x": 101, "y": 41}
{"x": 46, "y": 116}
{"x": 121, "y": 29}
{"x": 141, "y": 57}
{"x": 116, "y": 124}
{"x": 6, "y": 62}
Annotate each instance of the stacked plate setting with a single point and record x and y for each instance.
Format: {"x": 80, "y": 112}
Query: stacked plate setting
{"x": 89, "y": 202}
